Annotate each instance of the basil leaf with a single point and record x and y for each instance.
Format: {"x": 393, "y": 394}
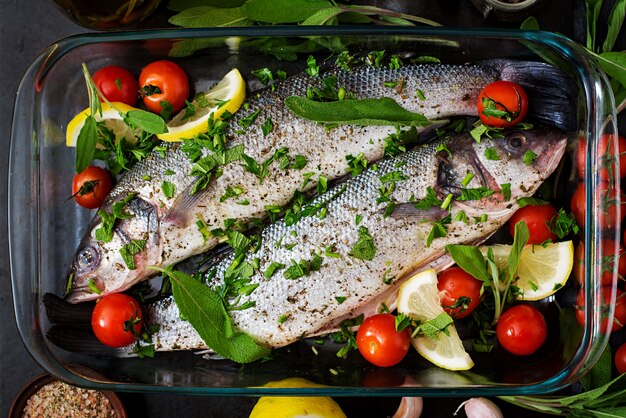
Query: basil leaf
{"x": 205, "y": 311}
{"x": 363, "y": 112}
{"x": 145, "y": 121}
{"x": 86, "y": 144}
{"x": 470, "y": 259}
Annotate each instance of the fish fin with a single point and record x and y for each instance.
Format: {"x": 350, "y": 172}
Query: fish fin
{"x": 409, "y": 211}
{"x": 182, "y": 206}
{"x": 81, "y": 341}
{"x": 551, "y": 92}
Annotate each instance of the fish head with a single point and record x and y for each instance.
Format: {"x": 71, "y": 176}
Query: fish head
{"x": 101, "y": 267}
{"x": 501, "y": 170}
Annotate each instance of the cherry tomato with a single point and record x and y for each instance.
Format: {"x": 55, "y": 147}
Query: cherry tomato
{"x": 116, "y": 320}
{"x": 380, "y": 343}
{"x": 607, "y": 263}
{"x": 521, "y": 330}
{"x": 537, "y": 219}
{"x": 502, "y": 104}
{"x": 117, "y": 84}
{"x": 619, "y": 317}
{"x": 620, "y": 359}
{"x": 162, "y": 83}
{"x": 607, "y": 207}
{"x": 454, "y": 284}
{"x": 91, "y": 186}
{"x": 603, "y": 144}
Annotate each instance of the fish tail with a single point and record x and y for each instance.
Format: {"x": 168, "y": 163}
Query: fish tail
{"x": 551, "y": 92}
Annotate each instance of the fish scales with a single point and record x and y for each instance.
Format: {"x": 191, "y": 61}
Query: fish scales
{"x": 448, "y": 90}
{"x": 286, "y": 310}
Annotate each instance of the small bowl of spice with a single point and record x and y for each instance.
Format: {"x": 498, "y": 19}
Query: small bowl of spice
{"x": 46, "y": 396}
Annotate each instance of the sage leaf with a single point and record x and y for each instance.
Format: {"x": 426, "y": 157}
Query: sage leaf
{"x": 282, "y": 11}
{"x": 207, "y": 16}
{"x": 615, "y": 21}
{"x": 205, "y": 311}
{"x": 600, "y": 373}
{"x": 592, "y": 12}
{"x": 86, "y": 144}
{"x": 323, "y": 17}
{"x": 470, "y": 259}
{"x": 614, "y": 64}
{"x": 146, "y": 121}
{"x": 180, "y": 5}
{"x": 364, "y": 112}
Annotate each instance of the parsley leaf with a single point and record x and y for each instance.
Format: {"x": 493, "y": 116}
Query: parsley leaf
{"x": 129, "y": 250}
{"x": 364, "y": 248}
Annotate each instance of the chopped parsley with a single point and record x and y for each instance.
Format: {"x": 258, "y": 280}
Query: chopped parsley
{"x": 491, "y": 154}
{"x": 302, "y": 268}
{"x": 312, "y": 68}
{"x": 364, "y": 248}
{"x": 475, "y": 194}
{"x": 357, "y": 164}
{"x": 230, "y": 192}
{"x": 529, "y": 157}
{"x": 105, "y": 232}
{"x": 267, "y": 127}
{"x": 168, "y": 189}
{"x": 128, "y": 251}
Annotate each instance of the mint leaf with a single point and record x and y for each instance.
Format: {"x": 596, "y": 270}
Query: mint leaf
{"x": 146, "y": 121}
{"x": 433, "y": 327}
{"x": 470, "y": 259}
{"x": 520, "y": 238}
{"x": 491, "y": 154}
{"x": 168, "y": 189}
{"x": 529, "y": 157}
{"x": 364, "y": 248}
{"x": 129, "y": 250}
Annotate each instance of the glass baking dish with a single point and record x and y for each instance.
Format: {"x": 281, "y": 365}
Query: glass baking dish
{"x": 44, "y": 229}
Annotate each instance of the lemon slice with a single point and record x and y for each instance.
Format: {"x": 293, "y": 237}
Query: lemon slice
{"x": 542, "y": 270}
{"x": 418, "y": 298}
{"x": 230, "y": 92}
{"x": 111, "y": 118}
{"x": 292, "y": 407}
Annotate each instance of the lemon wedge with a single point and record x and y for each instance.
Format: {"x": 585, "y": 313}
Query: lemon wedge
{"x": 295, "y": 406}
{"x": 418, "y": 298}
{"x": 111, "y": 118}
{"x": 542, "y": 270}
{"x": 227, "y": 95}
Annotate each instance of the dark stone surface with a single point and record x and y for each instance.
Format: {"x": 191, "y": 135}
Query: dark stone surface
{"x": 26, "y": 27}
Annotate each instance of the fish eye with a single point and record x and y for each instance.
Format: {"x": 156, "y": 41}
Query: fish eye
{"x": 87, "y": 257}
{"x": 515, "y": 141}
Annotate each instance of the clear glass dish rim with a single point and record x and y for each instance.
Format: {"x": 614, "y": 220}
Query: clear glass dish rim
{"x": 568, "y": 48}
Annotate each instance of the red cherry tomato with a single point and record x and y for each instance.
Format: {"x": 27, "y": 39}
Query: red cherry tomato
{"x": 502, "y": 104}
{"x": 91, "y": 186}
{"x": 521, "y": 330}
{"x": 603, "y": 145}
{"x": 620, "y": 359}
{"x": 619, "y": 317}
{"x": 116, "y": 320}
{"x": 607, "y": 263}
{"x": 454, "y": 284}
{"x": 607, "y": 205}
{"x": 537, "y": 219}
{"x": 162, "y": 83}
{"x": 117, "y": 84}
{"x": 380, "y": 343}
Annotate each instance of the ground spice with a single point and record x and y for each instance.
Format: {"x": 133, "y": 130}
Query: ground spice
{"x": 58, "y": 399}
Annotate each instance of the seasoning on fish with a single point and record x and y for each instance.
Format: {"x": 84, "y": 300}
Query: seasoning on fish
{"x": 175, "y": 199}
{"x": 299, "y": 298}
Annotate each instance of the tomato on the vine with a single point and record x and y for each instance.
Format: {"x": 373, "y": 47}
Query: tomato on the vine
{"x": 607, "y": 207}
{"x": 164, "y": 86}
{"x": 521, "y": 330}
{"x": 380, "y": 343}
{"x": 619, "y": 317}
{"x": 116, "y": 320}
{"x": 604, "y": 143}
{"x": 502, "y": 104}
{"x": 620, "y": 359}
{"x": 460, "y": 292}
{"x": 537, "y": 219}
{"x": 117, "y": 84}
{"x": 607, "y": 263}
{"x": 91, "y": 186}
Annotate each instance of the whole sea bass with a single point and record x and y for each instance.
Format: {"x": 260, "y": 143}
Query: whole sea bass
{"x": 326, "y": 268}
{"x": 166, "y": 220}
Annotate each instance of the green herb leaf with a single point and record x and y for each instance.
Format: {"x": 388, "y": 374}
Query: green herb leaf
{"x": 362, "y": 112}
{"x": 470, "y": 259}
{"x": 530, "y": 23}
{"x": 86, "y": 144}
{"x": 506, "y": 190}
{"x": 562, "y": 224}
{"x": 312, "y": 68}
{"x": 272, "y": 268}
{"x": 205, "y": 311}
{"x": 105, "y": 232}
{"x": 520, "y": 238}
{"x": 267, "y": 127}
{"x": 207, "y": 16}
{"x": 529, "y": 157}
{"x": 168, "y": 189}
{"x": 491, "y": 154}
{"x": 433, "y": 327}
{"x": 531, "y": 201}
{"x": 357, "y": 164}
{"x": 340, "y": 299}
{"x": 146, "y": 121}
{"x": 282, "y": 11}
{"x": 128, "y": 252}
{"x": 475, "y": 194}
{"x": 364, "y": 248}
